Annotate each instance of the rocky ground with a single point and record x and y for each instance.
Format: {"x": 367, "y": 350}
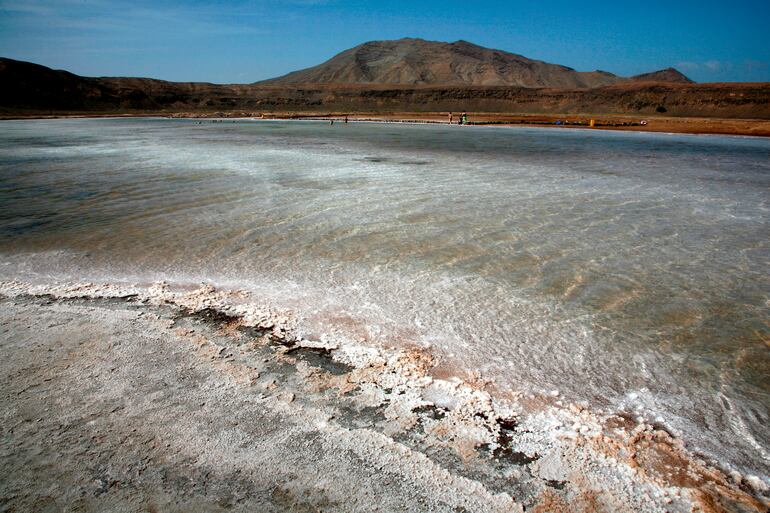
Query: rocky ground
{"x": 136, "y": 399}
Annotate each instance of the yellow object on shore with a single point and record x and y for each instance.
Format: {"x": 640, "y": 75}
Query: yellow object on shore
{"x": 592, "y": 123}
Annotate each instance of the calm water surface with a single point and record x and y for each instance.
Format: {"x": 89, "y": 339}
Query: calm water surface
{"x": 626, "y": 269}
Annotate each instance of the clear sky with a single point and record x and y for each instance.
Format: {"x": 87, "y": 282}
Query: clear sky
{"x": 250, "y": 40}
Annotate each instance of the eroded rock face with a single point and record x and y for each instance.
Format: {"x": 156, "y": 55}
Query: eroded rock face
{"x": 163, "y": 393}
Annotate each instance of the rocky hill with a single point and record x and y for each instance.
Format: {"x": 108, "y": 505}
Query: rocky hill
{"x": 670, "y": 75}
{"x": 416, "y": 61}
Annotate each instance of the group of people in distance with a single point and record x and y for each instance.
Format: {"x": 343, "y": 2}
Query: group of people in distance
{"x": 463, "y": 119}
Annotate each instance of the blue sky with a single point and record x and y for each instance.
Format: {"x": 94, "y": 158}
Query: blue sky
{"x": 250, "y": 40}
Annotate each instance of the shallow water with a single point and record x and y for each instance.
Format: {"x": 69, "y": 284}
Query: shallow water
{"x": 626, "y": 269}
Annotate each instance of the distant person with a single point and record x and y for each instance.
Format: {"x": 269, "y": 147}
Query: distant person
{"x": 331, "y": 121}
{"x": 464, "y": 118}
{"x": 450, "y": 118}
{"x": 346, "y": 118}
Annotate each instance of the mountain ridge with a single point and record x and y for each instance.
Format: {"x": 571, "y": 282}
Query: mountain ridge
{"x": 28, "y": 89}
{"x": 415, "y": 61}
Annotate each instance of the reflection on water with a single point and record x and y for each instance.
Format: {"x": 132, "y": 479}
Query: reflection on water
{"x": 596, "y": 263}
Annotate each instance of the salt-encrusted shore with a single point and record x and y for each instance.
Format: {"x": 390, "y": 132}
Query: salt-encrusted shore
{"x": 670, "y": 125}
{"x": 148, "y": 398}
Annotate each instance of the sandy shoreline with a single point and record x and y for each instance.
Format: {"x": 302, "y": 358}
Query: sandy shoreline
{"x": 683, "y": 125}
{"x": 139, "y": 397}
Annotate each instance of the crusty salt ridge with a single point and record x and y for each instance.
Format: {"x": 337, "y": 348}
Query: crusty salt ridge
{"x": 555, "y": 458}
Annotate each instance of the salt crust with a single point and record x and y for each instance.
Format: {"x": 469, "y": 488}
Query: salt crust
{"x": 571, "y": 445}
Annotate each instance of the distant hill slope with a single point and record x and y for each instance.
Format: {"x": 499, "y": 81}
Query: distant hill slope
{"x": 416, "y": 61}
{"x": 28, "y": 89}
{"x": 24, "y": 85}
{"x": 665, "y": 75}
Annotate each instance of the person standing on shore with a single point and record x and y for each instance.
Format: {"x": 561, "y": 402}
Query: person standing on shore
{"x": 464, "y": 119}
{"x": 450, "y": 118}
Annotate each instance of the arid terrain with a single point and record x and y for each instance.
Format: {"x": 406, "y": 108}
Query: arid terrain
{"x": 410, "y": 80}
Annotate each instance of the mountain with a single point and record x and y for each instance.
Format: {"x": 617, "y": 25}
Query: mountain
{"x": 24, "y": 85}
{"x": 416, "y": 61}
{"x": 664, "y": 75}
{"x": 28, "y": 89}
